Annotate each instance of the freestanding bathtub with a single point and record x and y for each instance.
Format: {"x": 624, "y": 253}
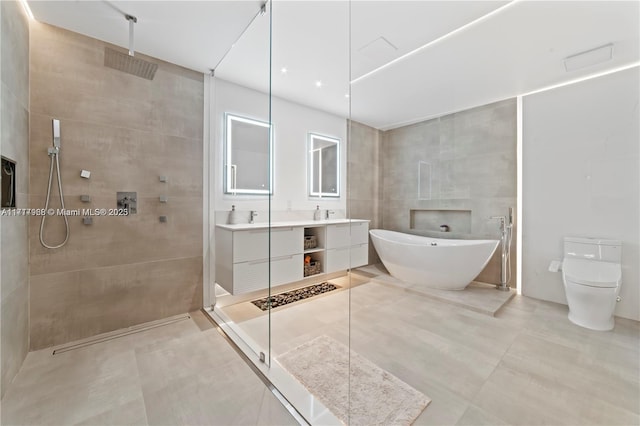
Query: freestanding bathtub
{"x": 433, "y": 262}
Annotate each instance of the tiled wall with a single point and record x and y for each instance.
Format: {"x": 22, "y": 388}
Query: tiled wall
{"x": 363, "y": 177}
{"x": 471, "y": 155}
{"x": 14, "y": 144}
{"x": 127, "y": 131}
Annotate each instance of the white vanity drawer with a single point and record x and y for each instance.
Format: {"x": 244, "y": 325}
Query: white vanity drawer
{"x": 359, "y": 233}
{"x": 254, "y": 275}
{"x": 254, "y": 244}
{"x": 359, "y": 255}
{"x": 347, "y": 234}
{"x": 337, "y": 259}
{"x": 347, "y": 257}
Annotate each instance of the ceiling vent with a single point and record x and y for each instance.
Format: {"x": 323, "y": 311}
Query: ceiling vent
{"x": 589, "y": 57}
{"x": 379, "y": 50}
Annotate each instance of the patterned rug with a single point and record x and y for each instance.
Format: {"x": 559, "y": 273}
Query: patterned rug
{"x": 294, "y": 295}
{"x": 328, "y": 370}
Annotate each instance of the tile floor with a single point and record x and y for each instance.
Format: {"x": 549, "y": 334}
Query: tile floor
{"x": 184, "y": 373}
{"x": 528, "y": 365}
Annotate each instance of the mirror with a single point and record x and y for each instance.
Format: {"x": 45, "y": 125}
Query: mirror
{"x": 248, "y": 156}
{"x": 324, "y": 166}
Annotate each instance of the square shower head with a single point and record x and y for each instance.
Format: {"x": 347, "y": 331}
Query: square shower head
{"x": 129, "y": 64}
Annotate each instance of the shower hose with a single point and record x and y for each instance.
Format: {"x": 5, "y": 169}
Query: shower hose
{"x": 54, "y": 159}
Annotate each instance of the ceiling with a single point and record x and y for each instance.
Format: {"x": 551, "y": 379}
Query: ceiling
{"x": 193, "y": 34}
{"x": 509, "y": 48}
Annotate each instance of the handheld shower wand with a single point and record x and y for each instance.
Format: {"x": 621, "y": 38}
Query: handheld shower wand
{"x": 54, "y": 153}
{"x": 56, "y": 133}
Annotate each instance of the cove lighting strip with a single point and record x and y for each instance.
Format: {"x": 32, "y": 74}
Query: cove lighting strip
{"x": 27, "y": 9}
{"x": 519, "y": 208}
{"x": 581, "y": 79}
{"x": 437, "y": 40}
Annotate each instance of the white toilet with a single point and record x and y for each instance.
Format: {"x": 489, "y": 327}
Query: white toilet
{"x": 591, "y": 273}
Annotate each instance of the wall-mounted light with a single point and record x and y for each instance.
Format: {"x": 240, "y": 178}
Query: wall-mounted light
{"x": 27, "y": 9}
{"x": 589, "y": 57}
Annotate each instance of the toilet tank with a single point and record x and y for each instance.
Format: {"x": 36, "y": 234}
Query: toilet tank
{"x": 593, "y": 249}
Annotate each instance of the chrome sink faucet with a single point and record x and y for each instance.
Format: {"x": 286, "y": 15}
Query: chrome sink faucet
{"x": 329, "y": 212}
{"x": 253, "y": 215}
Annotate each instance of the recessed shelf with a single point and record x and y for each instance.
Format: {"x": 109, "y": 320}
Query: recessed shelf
{"x": 317, "y": 263}
{"x": 318, "y": 232}
{"x": 458, "y": 221}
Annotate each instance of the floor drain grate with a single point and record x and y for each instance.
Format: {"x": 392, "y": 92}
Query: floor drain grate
{"x": 118, "y": 333}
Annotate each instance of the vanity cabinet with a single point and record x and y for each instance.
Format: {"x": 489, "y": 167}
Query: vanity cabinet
{"x": 242, "y": 258}
{"x": 242, "y": 252}
{"x": 347, "y": 246}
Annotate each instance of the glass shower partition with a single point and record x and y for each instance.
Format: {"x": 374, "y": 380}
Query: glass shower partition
{"x": 241, "y": 188}
{"x": 310, "y": 110}
{"x": 281, "y": 110}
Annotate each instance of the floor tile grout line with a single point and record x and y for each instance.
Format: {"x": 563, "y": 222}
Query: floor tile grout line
{"x": 142, "y": 392}
{"x": 472, "y": 402}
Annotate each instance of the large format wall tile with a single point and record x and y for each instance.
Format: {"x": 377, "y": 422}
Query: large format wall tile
{"x": 469, "y": 163}
{"x": 15, "y": 333}
{"x": 114, "y": 240}
{"x": 73, "y": 305}
{"x": 15, "y": 51}
{"x": 14, "y": 144}
{"x": 15, "y": 254}
{"x": 363, "y": 177}
{"x": 127, "y": 131}
{"x": 15, "y": 136}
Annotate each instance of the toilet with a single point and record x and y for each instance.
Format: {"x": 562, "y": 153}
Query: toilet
{"x": 592, "y": 273}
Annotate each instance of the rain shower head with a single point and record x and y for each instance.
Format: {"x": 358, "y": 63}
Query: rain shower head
{"x": 128, "y": 63}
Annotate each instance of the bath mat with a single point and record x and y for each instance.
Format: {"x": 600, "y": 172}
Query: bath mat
{"x": 378, "y": 397}
{"x": 294, "y": 295}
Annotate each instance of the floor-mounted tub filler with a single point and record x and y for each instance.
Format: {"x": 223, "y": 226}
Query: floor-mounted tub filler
{"x": 433, "y": 262}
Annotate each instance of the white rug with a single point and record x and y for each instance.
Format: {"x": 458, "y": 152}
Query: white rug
{"x": 377, "y": 396}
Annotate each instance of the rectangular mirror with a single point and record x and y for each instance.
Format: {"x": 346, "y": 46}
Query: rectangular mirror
{"x": 324, "y": 166}
{"x": 248, "y": 150}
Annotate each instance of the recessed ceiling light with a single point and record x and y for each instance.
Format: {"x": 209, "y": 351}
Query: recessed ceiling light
{"x": 283, "y": 70}
{"x": 346, "y": 95}
{"x": 318, "y": 83}
{"x": 589, "y": 57}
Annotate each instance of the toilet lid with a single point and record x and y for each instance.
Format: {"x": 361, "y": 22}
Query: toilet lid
{"x": 592, "y": 273}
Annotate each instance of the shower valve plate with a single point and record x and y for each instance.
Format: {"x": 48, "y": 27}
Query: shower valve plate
{"x": 128, "y": 201}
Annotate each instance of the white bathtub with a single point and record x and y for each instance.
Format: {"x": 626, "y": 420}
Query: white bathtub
{"x": 432, "y": 262}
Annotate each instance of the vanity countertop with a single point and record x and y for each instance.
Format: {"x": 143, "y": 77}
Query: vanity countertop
{"x": 288, "y": 224}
